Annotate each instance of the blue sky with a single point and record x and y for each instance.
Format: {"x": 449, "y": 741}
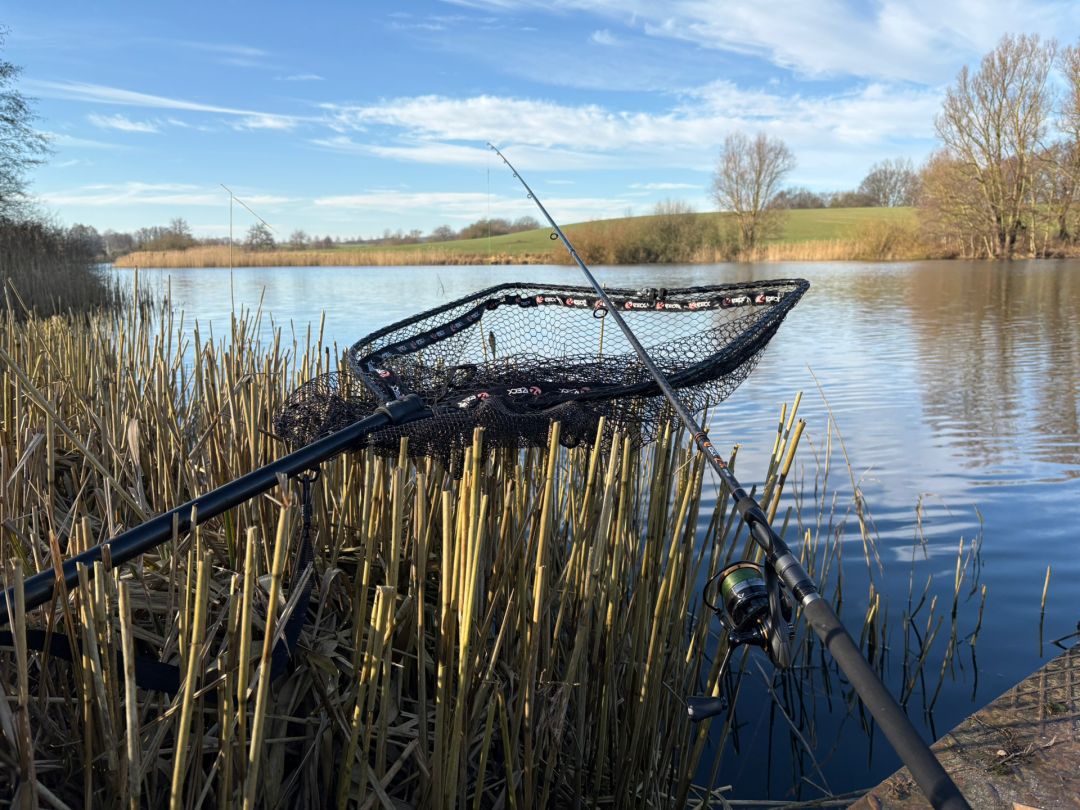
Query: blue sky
{"x": 351, "y": 118}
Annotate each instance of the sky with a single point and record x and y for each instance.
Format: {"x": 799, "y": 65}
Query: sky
{"x": 352, "y": 118}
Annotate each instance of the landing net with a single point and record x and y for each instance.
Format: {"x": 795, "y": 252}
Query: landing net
{"x": 515, "y": 357}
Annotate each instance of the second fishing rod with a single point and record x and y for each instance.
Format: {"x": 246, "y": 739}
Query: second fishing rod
{"x": 928, "y": 773}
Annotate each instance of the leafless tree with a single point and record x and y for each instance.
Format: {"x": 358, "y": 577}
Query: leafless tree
{"x": 747, "y": 180}
{"x": 993, "y": 125}
{"x": 953, "y": 210}
{"x": 259, "y": 237}
{"x": 891, "y": 183}
{"x": 21, "y": 146}
{"x": 298, "y": 239}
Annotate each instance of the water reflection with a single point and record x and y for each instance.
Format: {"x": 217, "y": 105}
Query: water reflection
{"x": 1001, "y": 349}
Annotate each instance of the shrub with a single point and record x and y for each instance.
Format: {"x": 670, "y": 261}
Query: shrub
{"x": 44, "y": 272}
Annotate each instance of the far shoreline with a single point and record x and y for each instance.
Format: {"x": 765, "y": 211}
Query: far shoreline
{"x": 215, "y": 257}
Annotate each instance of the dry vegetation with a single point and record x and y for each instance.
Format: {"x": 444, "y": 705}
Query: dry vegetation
{"x": 675, "y": 235}
{"x": 220, "y": 256}
{"x": 42, "y": 272}
{"x": 521, "y": 636}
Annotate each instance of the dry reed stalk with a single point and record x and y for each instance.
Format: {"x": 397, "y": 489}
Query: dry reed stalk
{"x": 131, "y": 706}
{"x": 258, "y": 724}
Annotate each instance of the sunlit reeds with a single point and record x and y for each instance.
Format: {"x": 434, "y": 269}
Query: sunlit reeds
{"x": 220, "y": 256}
{"x": 519, "y": 635}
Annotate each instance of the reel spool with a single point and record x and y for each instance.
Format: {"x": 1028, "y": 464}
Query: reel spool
{"x": 754, "y": 612}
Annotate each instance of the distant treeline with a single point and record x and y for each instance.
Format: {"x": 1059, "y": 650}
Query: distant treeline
{"x": 177, "y": 235}
{"x": 888, "y": 184}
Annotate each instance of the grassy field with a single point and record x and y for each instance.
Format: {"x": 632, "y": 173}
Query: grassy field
{"x": 818, "y": 234}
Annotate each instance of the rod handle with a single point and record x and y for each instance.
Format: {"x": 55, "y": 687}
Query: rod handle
{"x": 931, "y": 777}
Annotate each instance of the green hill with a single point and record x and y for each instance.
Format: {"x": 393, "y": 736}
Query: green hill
{"x": 799, "y": 225}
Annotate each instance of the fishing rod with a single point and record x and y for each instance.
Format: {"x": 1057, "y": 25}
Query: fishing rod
{"x": 782, "y": 565}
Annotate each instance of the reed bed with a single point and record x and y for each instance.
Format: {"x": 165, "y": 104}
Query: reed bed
{"x": 876, "y": 241}
{"x": 519, "y": 635}
{"x": 219, "y": 256}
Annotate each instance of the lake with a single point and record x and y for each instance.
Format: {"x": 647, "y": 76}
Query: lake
{"x": 956, "y": 388}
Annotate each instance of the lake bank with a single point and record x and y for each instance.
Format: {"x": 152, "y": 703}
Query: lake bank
{"x": 843, "y": 234}
{"x": 209, "y": 257}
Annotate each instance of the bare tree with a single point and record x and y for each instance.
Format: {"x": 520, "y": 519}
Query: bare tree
{"x": 799, "y": 197}
{"x": 952, "y": 209}
{"x": 298, "y": 239}
{"x": 747, "y": 180}
{"x": 443, "y": 233}
{"x": 993, "y": 125}
{"x": 21, "y": 147}
{"x": 891, "y": 183}
{"x": 259, "y": 237}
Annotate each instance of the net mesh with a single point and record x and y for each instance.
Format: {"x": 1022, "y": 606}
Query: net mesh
{"x": 515, "y": 357}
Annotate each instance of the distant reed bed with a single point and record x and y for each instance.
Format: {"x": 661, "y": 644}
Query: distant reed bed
{"x": 218, "y": 256}
{"x": 874, "y": 241}
{"x": 658, "y": 239}
{"x": 520, "y": 635}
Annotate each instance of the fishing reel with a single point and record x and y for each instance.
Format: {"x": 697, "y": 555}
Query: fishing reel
{"x": 755, "y": 612}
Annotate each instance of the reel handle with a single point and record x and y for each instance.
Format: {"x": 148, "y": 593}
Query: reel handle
{"x": 702, "y": 708}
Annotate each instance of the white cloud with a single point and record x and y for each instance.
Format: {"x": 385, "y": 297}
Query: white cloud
{"x": 664, "y": 186}
{"x": 862, "y": 123}
{"x": 266, "y": 121}
{"x": 896, "y": 40}
{"x": 604, "y": 37}
{"x": 302, "y": 77}
{"x": 122, "y": 123}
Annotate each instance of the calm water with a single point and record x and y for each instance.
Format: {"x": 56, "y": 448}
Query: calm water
{"x": 953, "y": 383}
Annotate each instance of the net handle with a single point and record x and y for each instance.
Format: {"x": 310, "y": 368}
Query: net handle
{"x": 905, "y": 740}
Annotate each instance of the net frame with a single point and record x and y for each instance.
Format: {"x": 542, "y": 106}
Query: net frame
{"x": 514, "y": 357}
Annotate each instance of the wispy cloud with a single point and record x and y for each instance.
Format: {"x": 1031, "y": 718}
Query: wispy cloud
{"x": 63, "y": 139}
{"x": 604, "y": 37}
{"x": 84, "y": 91}
{"x": 232, "y": 49}
{"x": 301, "y": 77}
{"x": 122, "y": 123}
{"x": 138, "y": 193}
{"x": 233, "y": 54}
{"x": 468, "y": 206}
